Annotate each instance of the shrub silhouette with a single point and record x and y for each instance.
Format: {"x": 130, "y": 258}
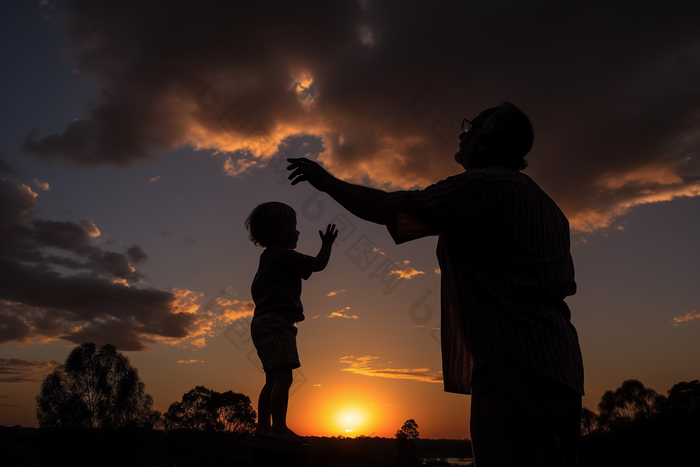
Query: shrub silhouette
{"x": 206, "y": 410}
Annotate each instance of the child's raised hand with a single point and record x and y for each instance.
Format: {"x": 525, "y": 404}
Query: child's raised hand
{"x": 330, "y": 235}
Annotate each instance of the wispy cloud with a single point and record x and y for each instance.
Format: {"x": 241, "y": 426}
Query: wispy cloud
{"x": 407, "y": 273}
{"x": 208, "y": 318}
{"x": 342, "y": 314}
{"x": 335, "y": 292}
{"x": 191, "y": 361}
{"x": 370, "y": 366}
{"x": 15, "y": 370}
{"x": 42, "y": 185}
{"x": 687, "y": 317}
{"x": 237, "y": 168}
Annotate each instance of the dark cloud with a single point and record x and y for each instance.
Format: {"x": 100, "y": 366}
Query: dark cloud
{"x": 164, "y": 232}
{"x": 40, "y": 300}
{"x": 18, "y": 201}
{"x": 613, "y": 88}
{"x": 6, "y": 167}
{"x": 136, "y": 254}
{"x": 190, "y": 241}
{"x": 28, "y": 240}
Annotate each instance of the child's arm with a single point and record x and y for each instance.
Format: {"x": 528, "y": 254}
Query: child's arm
{"x": 324, "y": 254}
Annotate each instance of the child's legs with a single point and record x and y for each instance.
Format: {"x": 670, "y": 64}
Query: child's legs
{"x": 275, "y": 341}
{"x": 264, "y": 406}
{"x": 279, "y": 397}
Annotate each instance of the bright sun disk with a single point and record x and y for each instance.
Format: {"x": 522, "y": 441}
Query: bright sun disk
{"x": 350, "y": 419}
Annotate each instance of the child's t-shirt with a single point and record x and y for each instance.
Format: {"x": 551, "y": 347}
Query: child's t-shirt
{"x": 277, "y": 285}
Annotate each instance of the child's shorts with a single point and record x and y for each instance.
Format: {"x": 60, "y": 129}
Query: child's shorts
{"x": 276, "y": 342}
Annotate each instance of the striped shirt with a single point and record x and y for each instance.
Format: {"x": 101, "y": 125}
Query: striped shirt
{"x": 506, "y": 268}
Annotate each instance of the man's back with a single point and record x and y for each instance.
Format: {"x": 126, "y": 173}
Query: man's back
{"x": 506, "y": 269}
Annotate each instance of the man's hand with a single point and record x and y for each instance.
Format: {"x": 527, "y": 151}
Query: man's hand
{"x": 306, "y": 170}
{"x": 364, "y": 202}
{"x": 330, "y": 235}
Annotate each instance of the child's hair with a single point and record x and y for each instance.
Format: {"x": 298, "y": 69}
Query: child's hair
{"x": 264, "y": 223}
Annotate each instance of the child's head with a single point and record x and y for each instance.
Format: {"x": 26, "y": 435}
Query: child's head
{"x": 273, "y": 224}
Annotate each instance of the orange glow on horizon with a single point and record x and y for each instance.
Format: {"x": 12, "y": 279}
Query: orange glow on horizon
{"x": 351, "y": 420}
{"x": 341, "y": 413}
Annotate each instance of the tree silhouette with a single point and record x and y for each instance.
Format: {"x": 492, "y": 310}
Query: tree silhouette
{"x": 207, "y": 410}
{"x": 589, "y": 421}
{"x": 409, "y": 430}
{"x": 684, "y": 397}
{"x": 94, "y": 389}
{"x": 630, "y": 402}
{"x": 407, "y": 436}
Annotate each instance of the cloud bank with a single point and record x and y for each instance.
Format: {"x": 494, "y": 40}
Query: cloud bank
{"x": 56, "y": 282}
{"x": 612, "y": 88}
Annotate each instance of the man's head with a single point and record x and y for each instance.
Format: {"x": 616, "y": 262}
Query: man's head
{"x": 500, "y": 135}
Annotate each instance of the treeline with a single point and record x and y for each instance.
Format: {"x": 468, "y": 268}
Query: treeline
{"x": 637, "y": 426}
{"x": 93, "y": 410}
{"x": 100, "y": 389}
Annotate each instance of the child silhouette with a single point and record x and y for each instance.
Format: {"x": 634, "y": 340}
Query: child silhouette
{"x": 276, "y": 291}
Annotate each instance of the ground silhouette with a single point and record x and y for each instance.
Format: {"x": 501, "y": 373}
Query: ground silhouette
{"x": 664, "y": 435}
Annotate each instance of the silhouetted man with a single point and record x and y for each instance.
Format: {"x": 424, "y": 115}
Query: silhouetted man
{"x": 503, "y": 250}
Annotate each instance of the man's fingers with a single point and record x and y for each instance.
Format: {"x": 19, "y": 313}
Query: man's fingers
{"x": 300, "y": 178}
{"x": 298, "y": 173}
{"x": 296, "y": 162}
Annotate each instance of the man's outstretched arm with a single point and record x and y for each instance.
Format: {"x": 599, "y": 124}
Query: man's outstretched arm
{"x": 366, "y": 203}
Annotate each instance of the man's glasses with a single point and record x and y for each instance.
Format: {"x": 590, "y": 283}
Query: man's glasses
{"x": 467, "y": 126}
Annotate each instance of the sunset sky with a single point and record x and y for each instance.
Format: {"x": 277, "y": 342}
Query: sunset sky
{"x": 137, "y": 136}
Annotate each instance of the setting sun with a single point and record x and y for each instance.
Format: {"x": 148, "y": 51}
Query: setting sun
{"x": 351, "y": 420}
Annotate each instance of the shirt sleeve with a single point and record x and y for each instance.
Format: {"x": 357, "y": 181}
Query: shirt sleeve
{"x": 299, "y": 264}
{"x": 421, "y": 213}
